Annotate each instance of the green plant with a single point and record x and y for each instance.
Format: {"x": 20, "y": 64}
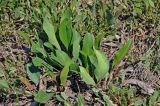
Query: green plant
{"x": 121, "y": 53}
{"x": 63, "y": 49}
{"x": 76, "y": 54}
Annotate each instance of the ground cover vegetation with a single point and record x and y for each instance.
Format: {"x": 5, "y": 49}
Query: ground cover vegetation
{"x": 80, "y": 52}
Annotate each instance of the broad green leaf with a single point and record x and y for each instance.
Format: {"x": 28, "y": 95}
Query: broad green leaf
{"x": 62, "y": 57}
{"x": 76, "y": 49}
{"x": 43, "y": 97}
{"x": 39, "y": 41}
{"x": 98, "y": 40}
{"x": 121, "y": 53}
{"x": 66, "y": 15}
{"x": 83, "y": 60}
{"x": 86, "y": 77}
{"x": 34, "y": 47}
{"x": 64, "y": 72}
{"x": 93, "y": 60}
{"x": 88, "y": 42}
{"x": 42, "y": 51}
{"x": 4, "y": 84}
{"x": 81, "y": 101}
{"x": 65, "y": 32}
{"x": 55, "y": 60}
{"x": 33, "y": 73}
{"x": 37, "y": 48}
{"x": 96, "y": 91}
{"x": 25, "y": 36}
{"x": 102, "y": 67}
{"x": 37, "y": 61}
{"x": 74, "y": 67}
{"x": 75, "y": 35}
{"x": 49, "y": 29}
{"x": 48, "y": 45}
{"x": 46, "y": 64}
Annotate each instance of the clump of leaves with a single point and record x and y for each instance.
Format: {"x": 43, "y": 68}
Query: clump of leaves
{"x": 66, "y": 50}
{"x": 62, "y": 49}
